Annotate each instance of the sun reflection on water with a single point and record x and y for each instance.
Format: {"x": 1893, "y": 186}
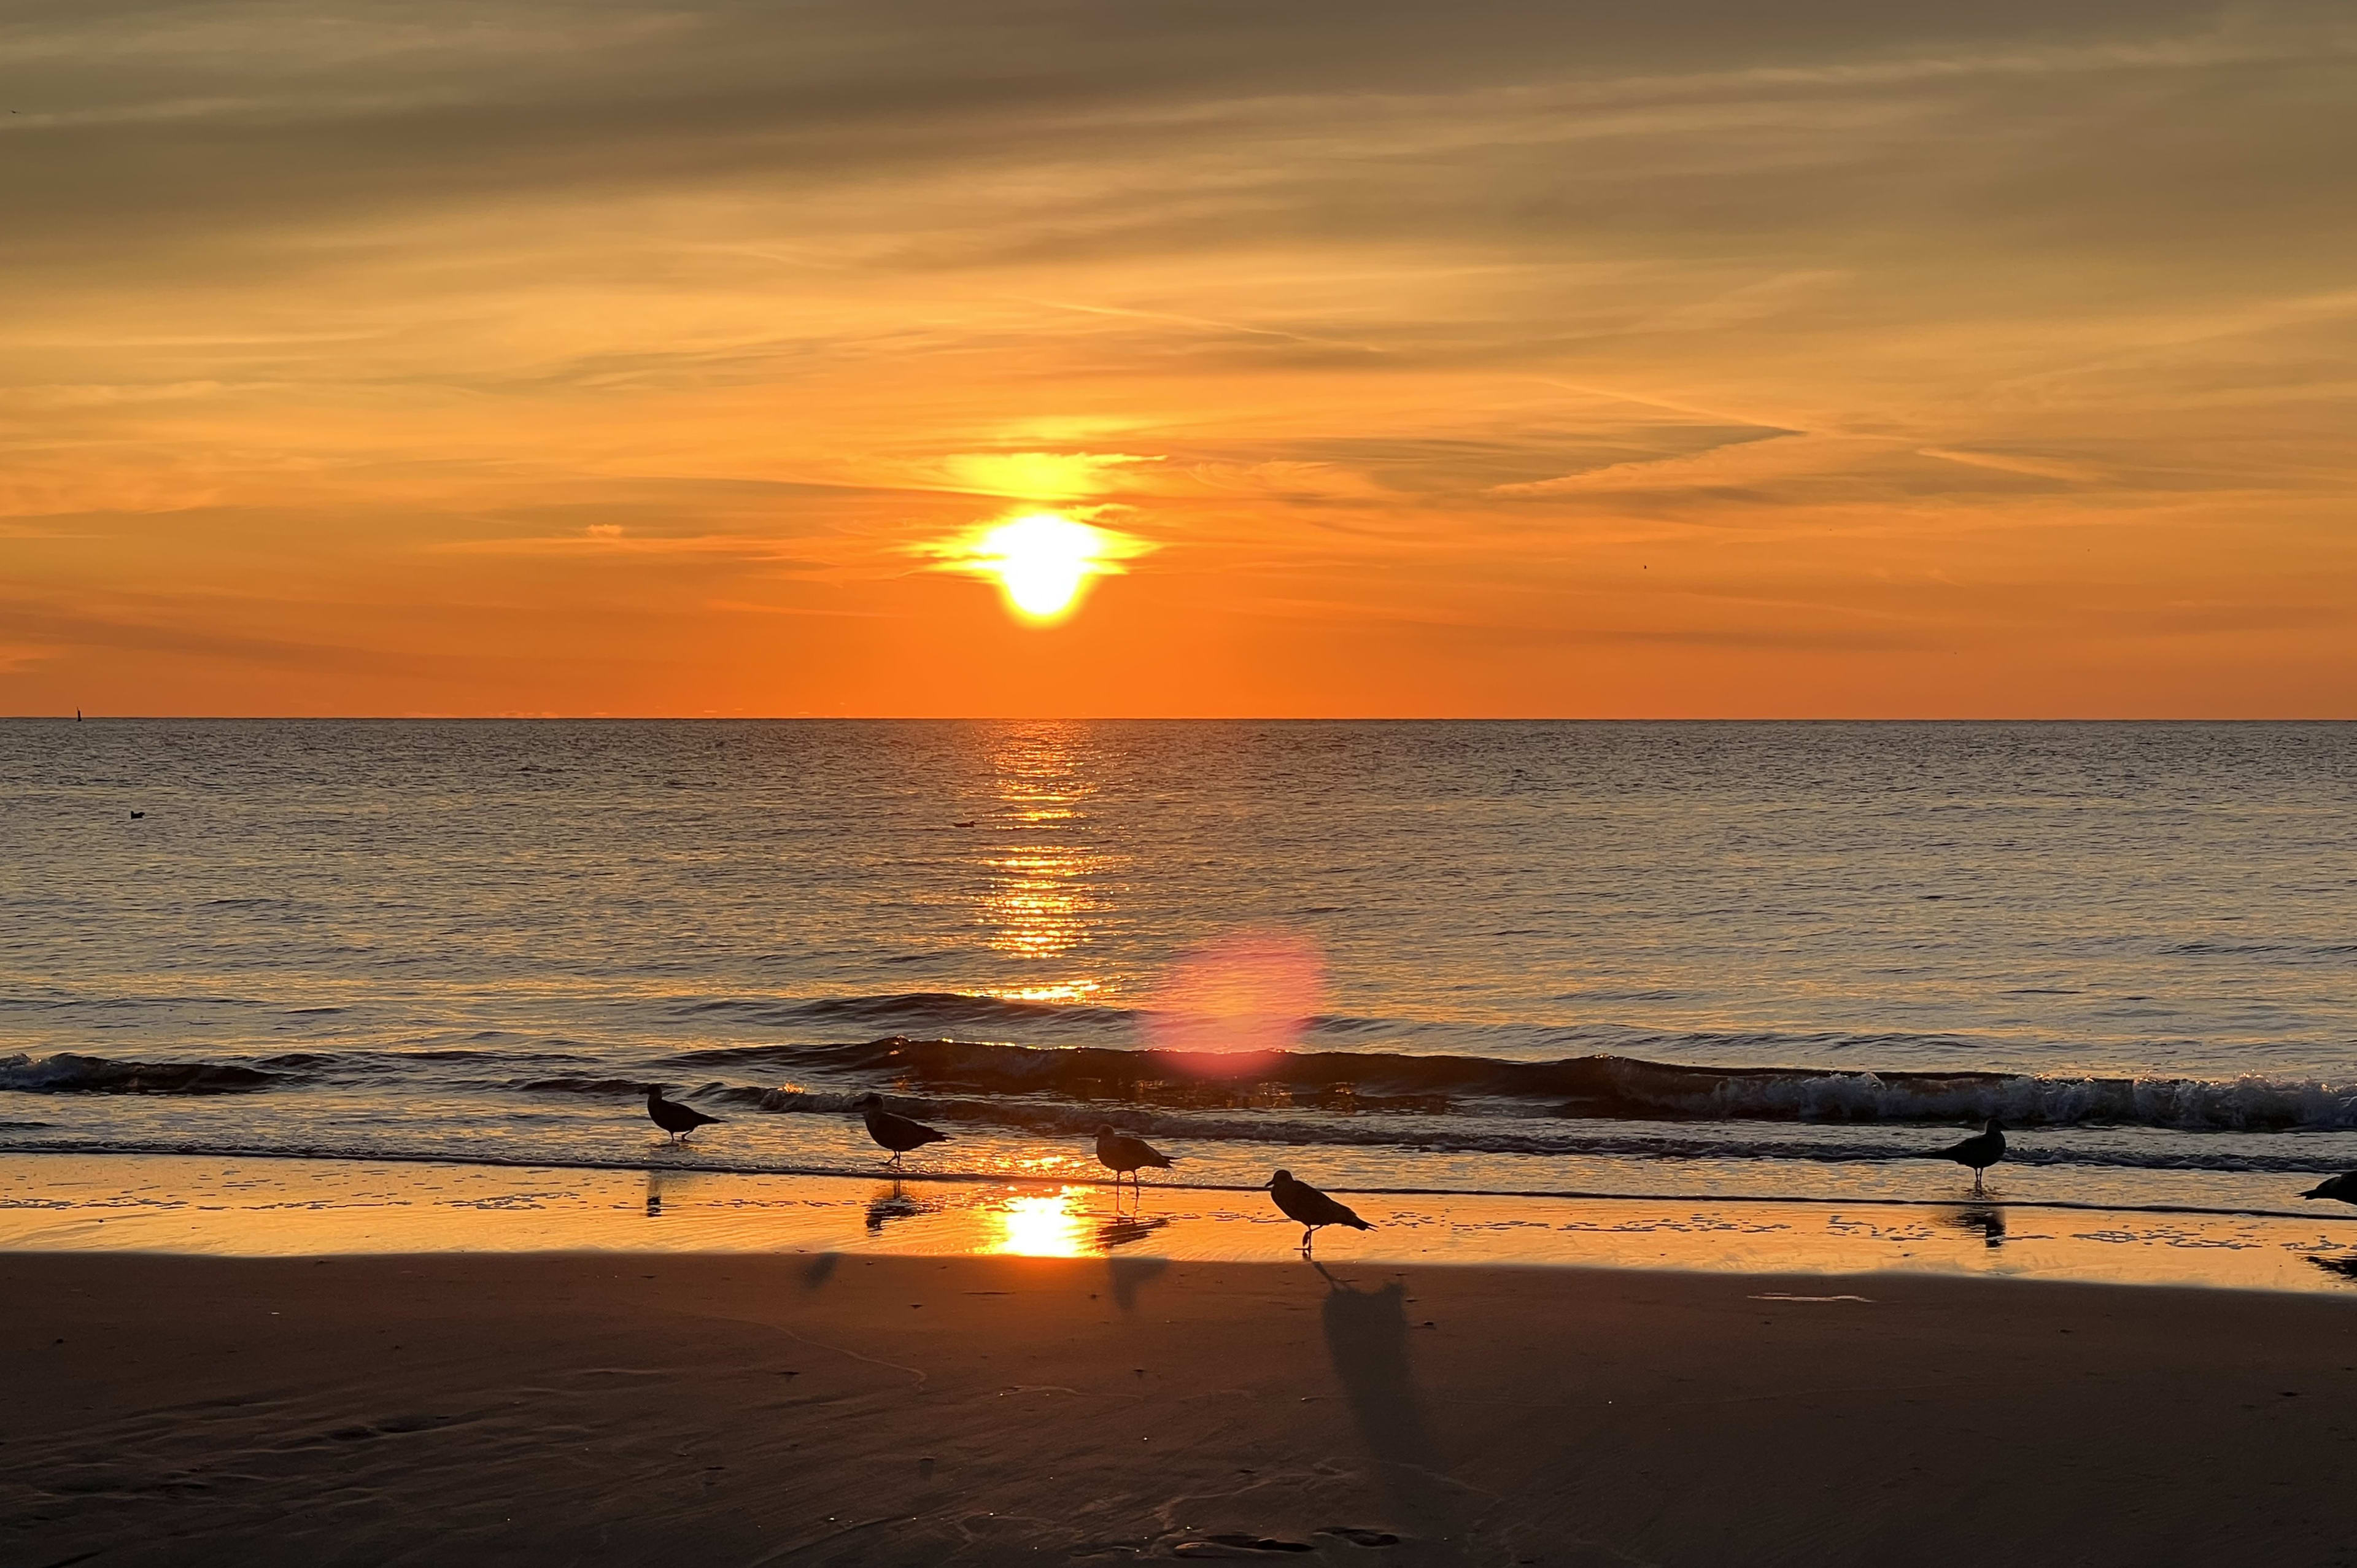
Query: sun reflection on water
{"x": 1041, "y": 1225}
{"x": 1040, "y": 903}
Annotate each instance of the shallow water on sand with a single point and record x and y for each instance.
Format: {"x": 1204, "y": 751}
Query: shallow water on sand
{"x": 274, "y": 1208}
{"x": 1726, "y": 958}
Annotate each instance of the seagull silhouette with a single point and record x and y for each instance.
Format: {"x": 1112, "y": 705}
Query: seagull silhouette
{"x": 2343, "y": 1187}
{"x": 1310, "y": 1208}
{"x": 677, "y": 1120}
{"x": 1123, "y": 1155}
{"x": 1980, "y": 1150}
{"x": 897, "y": 1134}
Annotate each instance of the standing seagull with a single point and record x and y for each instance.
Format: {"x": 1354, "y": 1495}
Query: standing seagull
{"x": 677, "y": 1120}
{"x": 1123, "y": 1155}
{"x": 1310, "y": 1208}
{"x": 897, "y": 1134}
{"x": 1980, "y": 1150}
{"x": 2343, "y": 1187}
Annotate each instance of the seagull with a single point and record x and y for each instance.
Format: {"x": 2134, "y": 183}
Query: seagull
{"x": 1980, "y": 1150}
{"x": 678, "y": 1121}
{"x": 1310, "y": 1208}
{"x": 1123, "y": 1155}
{"x": 2343, "y": 1187}
{"x": 897, "y": 1134}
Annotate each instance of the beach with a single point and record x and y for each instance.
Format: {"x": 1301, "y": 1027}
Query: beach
{"x": 334, "y": 1228}
{"x": 580, "y": 1408}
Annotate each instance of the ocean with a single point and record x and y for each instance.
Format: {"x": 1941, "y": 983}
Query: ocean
{"x": 1711, "y": 958}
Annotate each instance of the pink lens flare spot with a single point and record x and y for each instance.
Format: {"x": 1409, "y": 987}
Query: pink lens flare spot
{"x": 1238, "y": 998}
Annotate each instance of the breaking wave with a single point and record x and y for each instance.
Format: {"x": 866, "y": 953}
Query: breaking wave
{"x": 1606, "y": 1088}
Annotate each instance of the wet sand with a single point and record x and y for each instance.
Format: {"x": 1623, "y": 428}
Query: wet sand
{"x": 844, "y": 1409}
{"x": 257, "y": 1208}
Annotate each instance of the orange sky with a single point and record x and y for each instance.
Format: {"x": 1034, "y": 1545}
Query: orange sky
{"x": 1529, "y": 358}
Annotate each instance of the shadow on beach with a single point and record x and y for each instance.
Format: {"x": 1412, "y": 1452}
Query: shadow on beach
{"x": 1128, "y": 1274}
{"x": 1366, "y": 1337}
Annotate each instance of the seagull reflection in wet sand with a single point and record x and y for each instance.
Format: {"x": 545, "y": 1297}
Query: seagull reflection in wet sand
{"x": 890, "y": 1203}
{"x": 1984, "y": 1220}
{"x": 1123, "y": 1229}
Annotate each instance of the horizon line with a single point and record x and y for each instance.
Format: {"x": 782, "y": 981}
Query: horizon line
{"x": 1182, "y": 718}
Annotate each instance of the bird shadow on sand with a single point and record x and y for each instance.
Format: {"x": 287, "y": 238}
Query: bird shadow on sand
{"x": 1128, "y": 1274}
{"x": 1367, "y": 1339}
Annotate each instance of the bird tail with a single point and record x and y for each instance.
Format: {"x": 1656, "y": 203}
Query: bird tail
{"x": 1160, "y": 1161}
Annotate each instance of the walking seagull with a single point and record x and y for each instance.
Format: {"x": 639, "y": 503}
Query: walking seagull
{"x": 1980, "y": 1150}
{"x": 677, "y": 1120}
{"x": 897, "y": 1134}
{"x": 2343, "y": 1187}
{"x": 1310, "y": 1208}
{"x": 1123, "y": 1155}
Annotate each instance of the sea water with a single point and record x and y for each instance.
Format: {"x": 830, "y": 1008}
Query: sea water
{"x": 1741, "y": 960}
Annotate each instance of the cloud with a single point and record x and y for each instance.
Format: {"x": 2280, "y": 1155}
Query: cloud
{"x": 1371, "y": 307}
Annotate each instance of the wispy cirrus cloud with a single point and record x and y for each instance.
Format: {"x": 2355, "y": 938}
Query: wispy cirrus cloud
{"x": 629, "y": 341}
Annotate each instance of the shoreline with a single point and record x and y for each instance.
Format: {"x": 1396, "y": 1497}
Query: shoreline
{"x": 62, "y": 1204}
{"x": 552, "y": 1409}
{"x": 1020, "y": 1178}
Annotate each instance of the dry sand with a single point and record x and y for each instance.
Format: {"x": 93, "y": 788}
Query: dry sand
{"x": 583, "y": 1409}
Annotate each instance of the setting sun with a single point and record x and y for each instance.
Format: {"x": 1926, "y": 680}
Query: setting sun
{"x": 1042, "y": 561}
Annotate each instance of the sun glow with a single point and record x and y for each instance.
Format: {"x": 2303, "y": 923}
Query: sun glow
{"x": 1042, "y": 560}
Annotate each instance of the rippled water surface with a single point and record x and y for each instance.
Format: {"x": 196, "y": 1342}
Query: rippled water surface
{"x": 473, "y": 940}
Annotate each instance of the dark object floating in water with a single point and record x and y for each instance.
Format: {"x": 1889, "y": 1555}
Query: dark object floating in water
{"x": 1980, "y": 1150}
{"x": 137, "y": 815}
{"x": 677, "y": 1120}
{"x": 960, "y": 825}
{"x": 1310, "y": 1208}
{"x": 1123, "y": 1155}
{"x": 2343, "y": 1187}
{"x": 897, "y": 1134}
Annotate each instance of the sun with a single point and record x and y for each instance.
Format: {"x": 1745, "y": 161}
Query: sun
{"x": 1042, "y": 561}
